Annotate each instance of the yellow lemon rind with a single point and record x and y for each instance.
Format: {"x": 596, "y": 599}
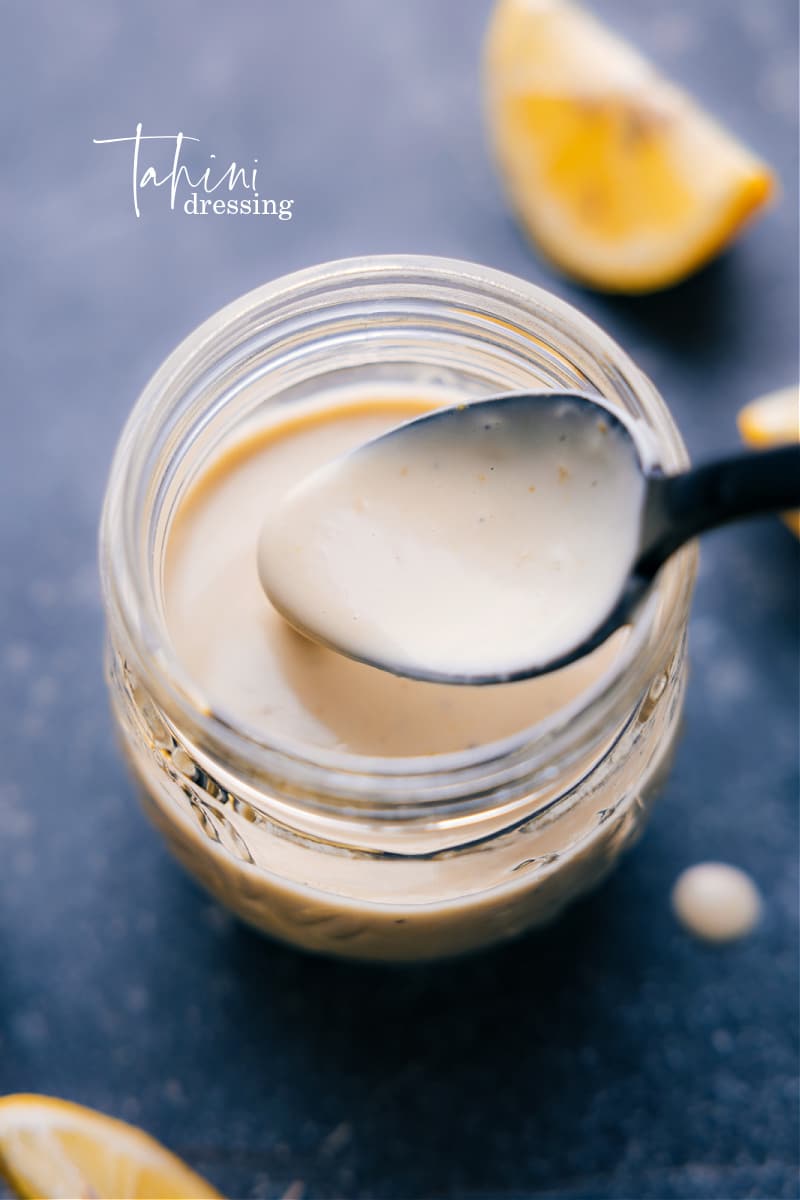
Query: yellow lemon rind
{"x": 117, "y": 1142}
{"x": 619, "y": 178}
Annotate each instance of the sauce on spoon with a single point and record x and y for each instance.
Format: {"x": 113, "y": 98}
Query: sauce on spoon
{"x": 458, "y": 557}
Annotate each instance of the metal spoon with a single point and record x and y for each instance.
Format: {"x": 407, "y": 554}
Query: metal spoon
{"x": 657, "y": 514}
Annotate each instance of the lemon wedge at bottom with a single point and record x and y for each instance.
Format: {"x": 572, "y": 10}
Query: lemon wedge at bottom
{"x": 53, "y": 1148}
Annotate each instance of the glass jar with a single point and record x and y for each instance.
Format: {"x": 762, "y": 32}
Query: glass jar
{"x": 381, "y": 858}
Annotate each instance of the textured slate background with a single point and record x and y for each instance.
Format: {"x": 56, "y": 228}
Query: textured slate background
{"x": 608, "y": 1057}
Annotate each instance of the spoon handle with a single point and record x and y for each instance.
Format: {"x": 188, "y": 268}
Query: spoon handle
{"x": 678, "y": 507}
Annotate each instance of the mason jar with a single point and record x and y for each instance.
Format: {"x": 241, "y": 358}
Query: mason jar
{"x": 388, "y": 858}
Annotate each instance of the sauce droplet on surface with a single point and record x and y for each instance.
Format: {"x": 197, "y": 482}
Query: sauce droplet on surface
{"x": 716, "y": 902}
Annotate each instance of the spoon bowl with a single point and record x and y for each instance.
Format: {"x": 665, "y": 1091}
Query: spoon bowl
{"x": 497, "y": 540}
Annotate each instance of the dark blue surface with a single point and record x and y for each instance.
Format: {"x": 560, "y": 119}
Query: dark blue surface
{"x": 610, "y": 1056}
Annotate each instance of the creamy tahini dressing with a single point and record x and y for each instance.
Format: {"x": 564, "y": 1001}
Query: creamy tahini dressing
{"x": 497, "y": 550}
{"x": 251, "y": 664}
{"x": 251, "y": 667}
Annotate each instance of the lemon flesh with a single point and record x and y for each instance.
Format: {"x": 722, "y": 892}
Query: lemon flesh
{"x": 773, "y": 420}
{"x": 52, "y": 1148}
{"x": 618, "y": 176}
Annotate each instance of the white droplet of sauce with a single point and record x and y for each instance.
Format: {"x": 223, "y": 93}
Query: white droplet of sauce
{"x": 716, "y": 902}
{"x": 493, "y": 550}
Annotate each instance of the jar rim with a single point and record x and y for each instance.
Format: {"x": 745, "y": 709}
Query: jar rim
{"x": 126, "y": 601}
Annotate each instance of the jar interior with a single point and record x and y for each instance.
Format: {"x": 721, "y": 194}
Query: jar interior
{"x": 422, "y": 348}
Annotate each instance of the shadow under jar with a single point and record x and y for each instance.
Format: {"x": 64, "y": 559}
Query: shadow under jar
{"x": 405, "y": 856}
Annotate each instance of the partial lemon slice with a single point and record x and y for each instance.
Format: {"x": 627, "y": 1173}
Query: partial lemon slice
{"x": 773, "y": 420}
{"x": 51, "y": 1148}
{"x": 622, "y": 180}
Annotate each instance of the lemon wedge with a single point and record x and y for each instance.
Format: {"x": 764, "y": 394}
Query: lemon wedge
{"x": 773, "y": 420}
{"x": 619, "y": 177}
{"x": 51, "y": 1148}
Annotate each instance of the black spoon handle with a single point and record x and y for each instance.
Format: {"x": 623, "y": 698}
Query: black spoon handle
{"x": 678, "y": 507}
